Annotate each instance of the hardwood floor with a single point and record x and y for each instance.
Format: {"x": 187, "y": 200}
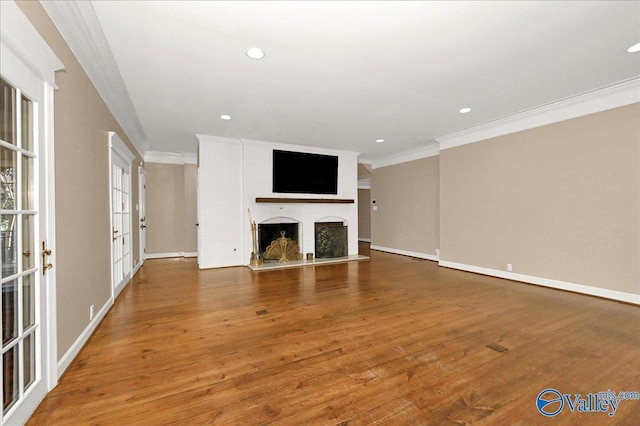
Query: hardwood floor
{"x": 394, "y": 341}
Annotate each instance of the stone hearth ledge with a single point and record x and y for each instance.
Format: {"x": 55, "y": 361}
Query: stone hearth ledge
{"x": 298, "y": 263}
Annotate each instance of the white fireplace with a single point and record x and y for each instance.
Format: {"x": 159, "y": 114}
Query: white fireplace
{"x": 233, "y": 174}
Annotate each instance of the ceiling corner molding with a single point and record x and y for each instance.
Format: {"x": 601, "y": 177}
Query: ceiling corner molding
{"x": 613, "y": 96}
{"x": 190, "y": 157}
{"x": 19, "y": 36}
{"x": 80, "y": 28}
{"x": 168, "y": 157}
{"x": 219, "y": 139}
{"x": 430, "y": 150}
{"x": 364, "y": 183}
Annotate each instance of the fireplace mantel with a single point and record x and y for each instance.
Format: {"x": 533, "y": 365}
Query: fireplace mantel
{"x": 305, "y": 200}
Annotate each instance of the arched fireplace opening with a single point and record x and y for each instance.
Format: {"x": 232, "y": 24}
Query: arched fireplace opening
{"x": 269, "y": 232}
{"x": 331, "y": 238}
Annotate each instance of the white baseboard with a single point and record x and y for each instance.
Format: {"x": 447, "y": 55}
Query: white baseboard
{"x": 118, "y": 289}
{"x": 171, "y": 254}
{"x": 136, "y": 269}
{"x": 406, "y": 253}
{"x": 366, "y": 240}
{"x": 164, "y": 255}
{"x": 74, "y": 350}
{"x": 546, "y": 282}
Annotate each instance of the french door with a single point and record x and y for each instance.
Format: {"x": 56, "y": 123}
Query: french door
{"x": 27, "y": 216}
{"x": 25, "y": 256}
{"x": 142, "y": 201}
{"x": 121, "y": 236}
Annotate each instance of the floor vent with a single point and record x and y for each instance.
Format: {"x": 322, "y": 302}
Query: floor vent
{"x": 496, "y": 347}
{"x": 262, "y": 312}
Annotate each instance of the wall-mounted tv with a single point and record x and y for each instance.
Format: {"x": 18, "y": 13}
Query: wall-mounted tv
{"x": 304, "y": 173}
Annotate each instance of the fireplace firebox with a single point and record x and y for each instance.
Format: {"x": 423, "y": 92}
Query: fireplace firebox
{"x": 271, "y": 232}
{"x": 331, "y": 239}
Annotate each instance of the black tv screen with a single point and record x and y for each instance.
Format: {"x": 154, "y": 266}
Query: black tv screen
{"x": 304, "y": 173}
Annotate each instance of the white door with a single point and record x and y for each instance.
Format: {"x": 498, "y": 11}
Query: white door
{"x": 26, "y": 255}
{"x": 27, "y": 220}
{"x": 121, "y": 237}
{"x": 142, "y": 197}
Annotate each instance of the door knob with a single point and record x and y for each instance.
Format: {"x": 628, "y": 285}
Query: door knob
{"x": 142, "y": 226}
{"x": 45, "y": 252}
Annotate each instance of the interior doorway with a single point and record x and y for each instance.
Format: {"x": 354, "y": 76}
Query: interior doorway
{"x": 142, "y": 207}
{"x": 27, "y": 223}
{"x": 121, "y": 225}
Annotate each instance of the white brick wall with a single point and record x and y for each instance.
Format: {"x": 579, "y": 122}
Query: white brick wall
{"x": 220, "y": 233}
{"x": 250, "y": 161}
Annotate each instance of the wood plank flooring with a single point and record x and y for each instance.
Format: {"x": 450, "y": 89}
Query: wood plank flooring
{"x": 390, "y": 341}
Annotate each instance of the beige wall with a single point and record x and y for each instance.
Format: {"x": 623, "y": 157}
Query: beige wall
{"x": 171, "y": 208}
{"x": 407, "y": 196}
{"x": 81, "y": 121}
{"x": 560, "y": 201}
{"x": 364, "y": 213}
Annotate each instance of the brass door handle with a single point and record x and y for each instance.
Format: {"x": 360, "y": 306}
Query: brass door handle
{"x": 45, "y": 252}
{"x": 142, "y": 226}
{"x": 27, "y": 253}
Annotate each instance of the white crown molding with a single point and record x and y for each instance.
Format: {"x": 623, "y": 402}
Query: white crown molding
{"x": 190, "y": 158}
{"x": 300, "y": 148}
{"x": 170, "y": 157}
{"x": 364, "y": 183}
{"x": 430, "y": 150}
{"x": 19, "y": 35}
{"x": 617, "y": 95}
{"x": 80, "y": 28}
{"x": 221, "y": 139}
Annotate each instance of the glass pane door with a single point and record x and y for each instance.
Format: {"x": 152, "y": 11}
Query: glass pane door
{"x": 121, "y": 219}
{"x": 18, "y": 217}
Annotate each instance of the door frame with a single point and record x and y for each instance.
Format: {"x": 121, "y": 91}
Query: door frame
{"x": 117, "y": 146}
{"x": 30, "y": 64}
{"x": 142, "y": 213}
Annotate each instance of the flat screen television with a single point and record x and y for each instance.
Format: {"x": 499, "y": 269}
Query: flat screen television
{"x": 304, "y": 173}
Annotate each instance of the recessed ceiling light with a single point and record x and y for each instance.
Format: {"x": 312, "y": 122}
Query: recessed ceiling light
{"x": 379, "y": 140}
{"x": 634, "y": 49}
{"x": 255, "y": 53}
{"x": 225, "y": 117}
{"x": 465, "y": 110}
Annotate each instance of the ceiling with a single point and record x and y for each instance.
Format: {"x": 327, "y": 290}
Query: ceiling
{"x": 342, "y": 74}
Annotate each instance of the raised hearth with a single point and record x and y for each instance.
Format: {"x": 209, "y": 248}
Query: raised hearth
{"x": 303, "y": 262}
